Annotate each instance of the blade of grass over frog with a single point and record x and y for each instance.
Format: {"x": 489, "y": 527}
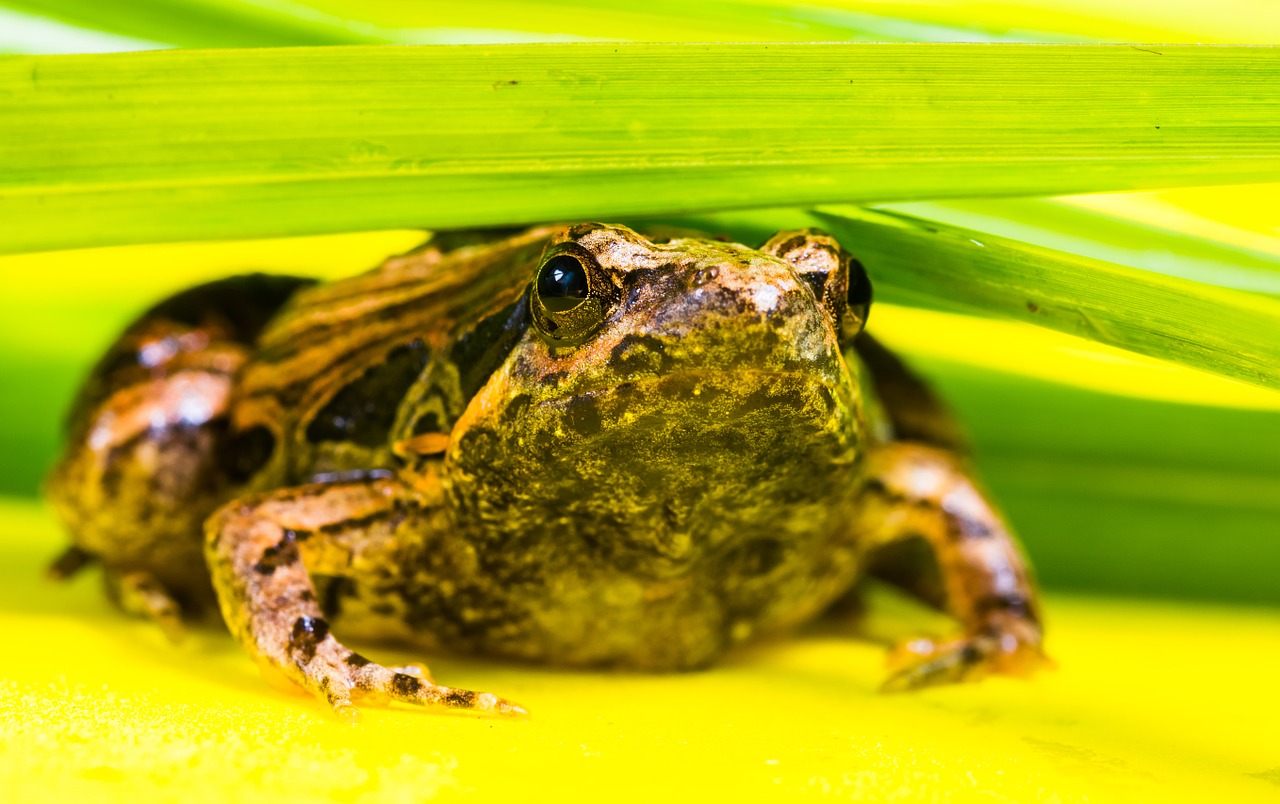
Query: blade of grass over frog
{"x": 183, "y": 145}
{"x": 1070, "y": 224}
{"x": 1215, "y": 329}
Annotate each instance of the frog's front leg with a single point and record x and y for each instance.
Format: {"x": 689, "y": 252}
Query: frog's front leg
{"x": 261, "y": 551}
{"x": 919, "y": 490}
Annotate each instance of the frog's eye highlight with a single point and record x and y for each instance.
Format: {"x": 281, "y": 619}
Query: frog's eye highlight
{"x": 562, "y": 284}
{"x": 859, "y": 307}
{"x": 571, "y": 295}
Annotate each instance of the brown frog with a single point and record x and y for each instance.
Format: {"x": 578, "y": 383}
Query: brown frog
{"x": 572, "y": 444}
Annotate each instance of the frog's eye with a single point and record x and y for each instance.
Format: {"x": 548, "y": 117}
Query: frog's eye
{"x": 859, "y": 307}
{"x": 562, "y": 284}
{"x": 571, "y": 295}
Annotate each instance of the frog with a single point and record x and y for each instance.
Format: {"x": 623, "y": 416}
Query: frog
{"x": 575, "y": 444}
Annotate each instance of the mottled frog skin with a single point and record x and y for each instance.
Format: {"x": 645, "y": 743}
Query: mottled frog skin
{"x": 576, "y": 445}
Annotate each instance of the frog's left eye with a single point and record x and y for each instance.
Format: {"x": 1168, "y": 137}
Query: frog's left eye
{"x": 859, "y": 306}
{"x": 571, "y": 295}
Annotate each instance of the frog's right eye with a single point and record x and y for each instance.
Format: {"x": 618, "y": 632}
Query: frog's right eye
{"x": 571, "y": 295}
{"x": 562, "y": 284}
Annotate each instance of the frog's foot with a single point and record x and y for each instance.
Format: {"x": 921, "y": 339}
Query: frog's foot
{"x": 69, "y": 563}
{"x": 137, "y": 592}
{"x": 374, "y": 684}
{"x": 1012, "y": 649}
{"x": 260, "y": 551}
{"x": 921, "y": 492}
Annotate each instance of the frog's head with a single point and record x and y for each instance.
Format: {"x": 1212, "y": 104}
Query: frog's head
{"x": 674, "y": 385}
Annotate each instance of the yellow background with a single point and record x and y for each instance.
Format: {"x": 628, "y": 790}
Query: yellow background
{"x": 1151, "y": 702}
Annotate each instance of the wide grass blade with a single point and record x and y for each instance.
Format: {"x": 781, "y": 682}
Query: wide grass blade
{"x": 173, "y": 145}
{"x": 1224, "y": 331}
{"x": 1103, "y": 227}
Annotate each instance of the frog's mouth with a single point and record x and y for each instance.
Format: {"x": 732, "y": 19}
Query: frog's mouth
{"x": 678, "y": 405}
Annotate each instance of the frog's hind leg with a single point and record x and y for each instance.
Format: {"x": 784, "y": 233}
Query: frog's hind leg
{"x": 150, "y": 456}
{"x": 262, "y": 551}
{"x": 922, "y": 490}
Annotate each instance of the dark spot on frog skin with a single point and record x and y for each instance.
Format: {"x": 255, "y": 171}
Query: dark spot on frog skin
{"x": 640, "y": 354}
{"x": 281, "y": 554}
{"x": 554, "y": 378}
{"x": 405, "y": 686}
{"x": 356, "y": 660}
{"x": 243, "y": 453}
{"x": 308, "y": 633}
{"x": 460, "y": 699}
{"x": 582, "y": 414}
{"x": 1033, "y": 307}
{"x": 333, "y": 589}
{"x": 485, "y": 346}
{"x": 364, "y": 410}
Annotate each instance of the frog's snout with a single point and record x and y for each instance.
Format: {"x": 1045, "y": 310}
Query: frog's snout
{"x": 753, "y": 314}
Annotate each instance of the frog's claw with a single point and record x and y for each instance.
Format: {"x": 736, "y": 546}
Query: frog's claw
{"x": 923, "y": 663}
{"x": 255, "y": 548}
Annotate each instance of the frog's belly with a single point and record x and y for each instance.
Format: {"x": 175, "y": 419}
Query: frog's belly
{"x": 566, "y": 607}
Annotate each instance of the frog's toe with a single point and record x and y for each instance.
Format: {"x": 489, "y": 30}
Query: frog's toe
{"x": 138, "y": 592}
{"x": 375, "y": 683}
{"x": 923, "y": 663}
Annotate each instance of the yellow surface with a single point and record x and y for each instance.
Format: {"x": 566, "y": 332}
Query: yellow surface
{"x": 1151, "y": 702}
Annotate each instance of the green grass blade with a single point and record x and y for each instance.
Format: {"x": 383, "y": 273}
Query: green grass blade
{"x": 181, "y": 145}
{"x": 1227, "y": 332}
{"x": 1063, "y": 226}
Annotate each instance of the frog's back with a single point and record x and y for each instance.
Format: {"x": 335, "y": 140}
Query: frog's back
{"x": 350, "y": 368}
{"x": 257, "y": 381}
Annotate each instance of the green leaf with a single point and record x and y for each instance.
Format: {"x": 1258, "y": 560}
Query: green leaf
{"x": 1215, "y": 329}
{"x": 1062, "y": 225}
{"x": 163, "y": 146}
